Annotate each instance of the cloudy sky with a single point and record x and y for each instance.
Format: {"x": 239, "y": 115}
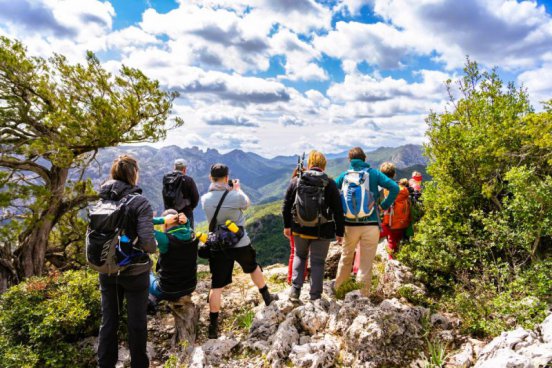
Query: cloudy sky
{"x": 283, "y": 76}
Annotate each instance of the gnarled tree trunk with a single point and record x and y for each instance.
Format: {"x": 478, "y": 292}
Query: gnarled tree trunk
{"x": 34, "y": 240}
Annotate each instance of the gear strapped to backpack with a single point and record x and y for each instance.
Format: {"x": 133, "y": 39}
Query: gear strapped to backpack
{"x": 173, "y": 197}
{"x": 356, "y": 197}
{"x": 220, "y": 237}
{"x": 309, "y": 207}
{"x": 108, "y": 249}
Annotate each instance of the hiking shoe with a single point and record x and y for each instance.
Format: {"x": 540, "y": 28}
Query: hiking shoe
{"x": 267, "y": 297}
{"x": 294, "y": 293}
{"x": 213, "y": 326}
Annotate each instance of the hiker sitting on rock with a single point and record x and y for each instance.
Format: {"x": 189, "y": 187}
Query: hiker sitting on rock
{"x": 224, "y": 202}
{"x": 177, "y": 264}
{"x": 313, "y": 216}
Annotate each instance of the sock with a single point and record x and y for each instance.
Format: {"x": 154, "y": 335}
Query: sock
{"x": 213, "y": 316}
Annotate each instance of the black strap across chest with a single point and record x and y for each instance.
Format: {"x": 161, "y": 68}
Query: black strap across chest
{"x": 213, "y": 222}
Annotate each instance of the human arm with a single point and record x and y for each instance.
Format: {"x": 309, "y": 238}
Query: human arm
{"x": 244, "y": 200}
{"x": 162, "y": 241}
{"x": 288, "y": 204}
{"x": 194, "y": 194}
{"x": 144, "y": 225}
{"x": 339, "y": 180}
{"x": 391, "y": 186}
{"x": 334, "y": 202}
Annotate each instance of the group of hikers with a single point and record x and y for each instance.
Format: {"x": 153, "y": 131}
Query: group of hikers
{"x": 316, "y": 211}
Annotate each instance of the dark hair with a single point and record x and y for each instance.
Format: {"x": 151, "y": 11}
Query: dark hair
{"x": 357, "y": 153}
{"x": 125, "y": 168}
{"x": 219, "y": 171}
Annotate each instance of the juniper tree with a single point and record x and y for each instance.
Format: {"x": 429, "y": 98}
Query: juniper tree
{"x": 54, "y": 117}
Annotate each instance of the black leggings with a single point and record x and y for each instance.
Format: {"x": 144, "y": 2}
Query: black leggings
{"x": 135, "y": 290}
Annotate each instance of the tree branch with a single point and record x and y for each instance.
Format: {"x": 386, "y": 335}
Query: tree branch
{"x": 26, "y": 166}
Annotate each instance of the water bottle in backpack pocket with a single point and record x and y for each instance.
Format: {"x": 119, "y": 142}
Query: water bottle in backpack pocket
{"x": 357, "y": 199}
{"x": 104, "y": 235}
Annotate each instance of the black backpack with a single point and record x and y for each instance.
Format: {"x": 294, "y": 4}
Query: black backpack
{"x": 104, "y": 233}
{"x": 172, "y": 190}
{"x": 309, "y": 208}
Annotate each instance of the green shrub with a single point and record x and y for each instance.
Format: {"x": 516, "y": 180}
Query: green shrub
{"x": 42, "y": 320}
{"x": 486, "y": 231}
{"x": 347, "y": 287}
{"x": 244, "y": 319}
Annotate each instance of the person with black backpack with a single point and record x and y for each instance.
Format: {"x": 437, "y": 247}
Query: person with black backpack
{"x": 180, "y": 191}
{"x": 120, "y": 253}
{"x": 224, "y": 205}
{"x": 313, "y": 216}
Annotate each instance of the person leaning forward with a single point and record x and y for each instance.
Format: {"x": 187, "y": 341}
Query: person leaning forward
{"x": 233, "y": 201}
{"x": 364, "y": 230}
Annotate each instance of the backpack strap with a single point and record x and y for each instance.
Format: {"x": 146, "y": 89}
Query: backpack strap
{"x": 213, "y": 222}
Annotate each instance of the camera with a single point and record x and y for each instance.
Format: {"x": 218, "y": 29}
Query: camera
{"x": 230, "y": 183}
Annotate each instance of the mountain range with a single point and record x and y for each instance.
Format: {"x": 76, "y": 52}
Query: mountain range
{"x": 263, "y": 179}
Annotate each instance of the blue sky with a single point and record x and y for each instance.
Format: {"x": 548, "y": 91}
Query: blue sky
{"x": 283, "y": 76}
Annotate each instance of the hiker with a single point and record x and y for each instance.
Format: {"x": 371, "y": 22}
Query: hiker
{"x": 291, "y": 241}
{"x": 177, "y": 264}
{"x": 359, "y": 186}
{"x": 131, "y": 283}
{"x": 313, "y": 216}
{"x": 225, "y": 201}
{"x": 180, "y": 191}
{"x": 397, "y": 218}
{"x": 415, "y": 184}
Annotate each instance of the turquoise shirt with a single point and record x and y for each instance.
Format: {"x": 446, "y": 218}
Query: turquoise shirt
{"x": 377, "y": 179}
{"x": 182, "y": 232}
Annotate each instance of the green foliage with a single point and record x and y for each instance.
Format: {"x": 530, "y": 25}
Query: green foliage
{"x": 437, "y": 352}
{"x": 42, "y": 319}
{"x": 244, "y": 319}
{"x": 347, "y": 287}
{"x": 488, "y": 212}
{"x": 55, "y": 116}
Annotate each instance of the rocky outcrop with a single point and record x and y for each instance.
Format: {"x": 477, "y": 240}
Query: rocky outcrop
{"x": 519, "y": 348}
{"x": 311, "y": 333}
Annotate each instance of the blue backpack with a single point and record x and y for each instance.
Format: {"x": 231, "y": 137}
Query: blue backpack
{"x": 357, "y": 199}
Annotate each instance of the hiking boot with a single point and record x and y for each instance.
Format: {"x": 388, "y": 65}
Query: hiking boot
{"x": 267, "y": 297}
{"x": 213, "y": 326}
{"x": 294, "y": 293}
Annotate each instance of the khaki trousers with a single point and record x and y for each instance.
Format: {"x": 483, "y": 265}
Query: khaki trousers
{"x": 367, "y": 237}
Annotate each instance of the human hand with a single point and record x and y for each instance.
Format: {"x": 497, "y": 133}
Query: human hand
{"x": 170, "y": 219}
{"x": 339, "y": 240}
{"x": 182, "y": 219}
{"x": 236, "y": 186}
{"x": 287, "y": 233}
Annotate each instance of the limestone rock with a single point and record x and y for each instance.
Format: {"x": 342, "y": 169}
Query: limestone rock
{"x": 464, "y": 358}
{"x": 217, "y": 349}
{"x": 313, "y": 316}
{"x": 268, "y": 318}
{"x": 319, "y": 354}
{"x": 282, "y": 342}
{"x": 390, "y": 334}
{"x": 505, "y": 358}
{"x": 546, "y": 329}
{"x": 197, "y": 359}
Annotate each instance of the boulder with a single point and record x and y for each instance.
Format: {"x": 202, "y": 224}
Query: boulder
{"x": 317, "y": 354}
{"x": 267, "y": 319}
{"x": 464, "y": 358}
{"x": 313, "y": 316}
{"x": 546, "y": 329}
{"x": 215, "y": 350}
{"x": 390, "y": 334}
{"x": 283, "y": 340}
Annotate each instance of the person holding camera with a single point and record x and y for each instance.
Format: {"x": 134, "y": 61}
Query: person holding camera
{"x": 223, "y": 202}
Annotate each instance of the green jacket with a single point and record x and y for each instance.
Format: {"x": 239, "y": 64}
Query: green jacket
{"x": 377, "y": 179}
{"x": 182, "y": 232}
